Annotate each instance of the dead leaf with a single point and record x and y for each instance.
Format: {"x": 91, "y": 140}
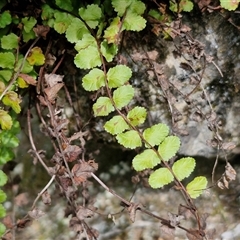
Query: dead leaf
{"x": 184, "y": 211}
{"x": 72, "y": 152}
{"x": 195, "y": 234}
{"x": 8, "y": 222}
{"x": 71, "y": 193}
{"x": 46, "y": 198}
{"x": 202, "y": 4}
{"x": 152, "y": 55}
{"x": 36, "y": 213}
{"x": 228, "y": 146}
{"x": 83, "y": 213}
{"x": 175, "y": 219}
{"x": 21, "y": 199}
{"x": 81, "y": 171}
{"x": 7, "y": 236}
{"x": 75, "y": 225}
{"x": 197, "y": 116}
{"x": 212, "y": 143}
{"x": 42, "y": 100}
{"x": 78, "y": 135}
{"x": 41, "y": 31}
{"x": 230, "y": 172}
{"x": 220, "y": 185}
{"x": 56, "y": 158}
{"x": 135, "y": 179}
{"x": 62, "y": 124}
{"x": 132, "y": 211}
{"x": 28, "y": 79}
{"x": 211, "y": 117}
{"x": 50, "y": 60}
{"x": 53, "y": 79}
{"x": 167, "y": 229}
{"x": 85, "y": 194}
{"x": 65, "y": 182}
{"x": 228, "y": 176}
{"x": 51, "y": 92}
{"x": 112, "y": 217}
{"x": 185, "y": 28}
{"x": 22, "y": 223}
{"x": 225, "y": 182}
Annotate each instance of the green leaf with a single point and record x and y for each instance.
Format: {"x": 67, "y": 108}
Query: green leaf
{"x": 62, "y": 21}
{"x": 2, "y": 86}
{"x": 3, "y": 178}
{"x": 137, "y": 115}
{"x": 118, "y": 75}
{"x": 230, "y": 5}
{"x": 11, "y": 99}
{"x": 129, "y": 139}
{"x": 156, "y": 134}
{"x": 28, "y": 35}
{"x": 169, "y": 147}
{"x": 28, "y": 23}
{"x": 174, "y": 7}
{"x": 183, "y": 5}
{"x": 6, "y": 75}
{"x": 86, "y": 41}
{"x": 196, "y": 187}
{"x": 2, "y": 211}
{"x": 111, "y": 34}
{"x": 21, "y": 83}
{"x": 7, "y": 60}
{"x": 8, "y": 139}
{"x": 64, "y": 4}
{"x": 183, "y": 167}
{"x": 47, "y": 12}
{"x": 36, "y": 57}
{"x": 160, "y": 178}
{"x": 123, "y": 95}
{"x": 88, "y": 58}
{"x": 120, "y": 6}
{"x": 147, "y": 159}
{"x": 116, "y": 125}
{"x": 5, "y": 19}
{"x": 186, "y": 5}
{"x": 9, "y": 41}
{"x": 6, "y": 154}
{"x": 91, "y": 15}
{"x": 76, "y": 30}
{"x": 3, "y": 196}
{"x": 15, "y": 127}
{"x": 27, "y": 68}
{"x": 2, "y": 229}
{"x": 109, "y": 51}
{"x": 94, "y": 80}
{"x": 134, "y": 22}
{"x": 102, "y": 107}
{"x": 5, "y": 120}
{"x": 156, "y": 14}
{"x": 137, "y": 7}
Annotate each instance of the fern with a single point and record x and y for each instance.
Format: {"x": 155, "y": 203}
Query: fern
{"x": 92, "y": 49}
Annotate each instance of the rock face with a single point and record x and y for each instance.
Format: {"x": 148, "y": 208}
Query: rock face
{"x": 192, "y": 83}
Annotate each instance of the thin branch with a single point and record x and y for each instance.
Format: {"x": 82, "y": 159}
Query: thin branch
{"x": 43, "y": 190}
{"x": 59, "y": 141}
{"x": 32, "y": 142}
{"x": 215, "y": 165}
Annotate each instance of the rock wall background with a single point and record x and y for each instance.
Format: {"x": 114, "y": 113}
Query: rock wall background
{"x": 196, "y": 89}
